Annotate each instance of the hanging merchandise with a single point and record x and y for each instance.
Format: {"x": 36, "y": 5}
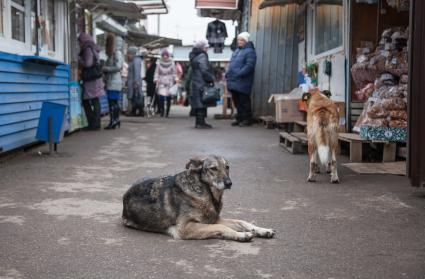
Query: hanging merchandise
{"x": 216, "y": 35}
{"x": 382, "y": 79}
{"x": 400, "y": 5}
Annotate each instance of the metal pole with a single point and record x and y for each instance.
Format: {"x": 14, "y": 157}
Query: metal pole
{"x": 50, "y": 126}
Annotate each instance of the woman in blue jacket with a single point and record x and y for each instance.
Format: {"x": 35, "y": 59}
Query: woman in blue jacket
{"x": 240, "y": 78}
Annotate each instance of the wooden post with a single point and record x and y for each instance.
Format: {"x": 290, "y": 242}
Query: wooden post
{"x": 389, "y": 153}
{"x": 356, "y": 151}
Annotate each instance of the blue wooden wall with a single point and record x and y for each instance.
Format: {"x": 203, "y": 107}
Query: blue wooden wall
{"x": 23, "y": 88}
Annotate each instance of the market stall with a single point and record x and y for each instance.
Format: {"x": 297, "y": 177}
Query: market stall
{"x": 379, "y": 72}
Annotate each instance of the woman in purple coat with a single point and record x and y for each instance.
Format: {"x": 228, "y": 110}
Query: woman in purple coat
{"x": 93, "y": 89}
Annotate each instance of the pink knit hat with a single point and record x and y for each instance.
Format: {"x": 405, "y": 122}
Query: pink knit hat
{"x": 165, "y": 52}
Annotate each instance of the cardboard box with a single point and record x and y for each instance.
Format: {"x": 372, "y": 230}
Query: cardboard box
{"x": 286, "y": 108}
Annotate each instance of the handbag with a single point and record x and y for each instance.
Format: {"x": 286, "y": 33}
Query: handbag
{"x": 210, "y": 96}
{"x": 174, "y": 90}
{"x": 94, "y": 72}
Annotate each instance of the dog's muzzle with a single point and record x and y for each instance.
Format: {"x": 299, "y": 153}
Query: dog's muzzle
{"x": 227, "y": 183}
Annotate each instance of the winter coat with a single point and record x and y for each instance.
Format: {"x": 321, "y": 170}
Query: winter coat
{"x": 88, "y": 56}
{"x": 201, "y": 76}
{"x": 216, "y": 32}
{"x": 240, "y": 75}
{"x": 149, "y": 78}
{"x": 165, "y": 76}
{"x": 113, "y": 67}
{"x": 134, "y": 78}
{"x": 188, "y": 81}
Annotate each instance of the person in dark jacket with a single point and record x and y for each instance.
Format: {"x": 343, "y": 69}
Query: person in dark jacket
{"x": 201, "y": 77}
{"x": 150, "y": 83}
{"x": 92, "y": 89}
{"x": 240, "y": 77}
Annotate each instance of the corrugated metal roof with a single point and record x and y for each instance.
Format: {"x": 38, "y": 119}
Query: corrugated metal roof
{"x": 152, "y": 41}
{"x": 114, "y": 8}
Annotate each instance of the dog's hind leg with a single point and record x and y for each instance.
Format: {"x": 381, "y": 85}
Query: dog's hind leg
{"x": 194, "y": 230}
{"x": 242, "y": 226}
{"x": 334, "y": 172}
{"x": 313, "y": 163}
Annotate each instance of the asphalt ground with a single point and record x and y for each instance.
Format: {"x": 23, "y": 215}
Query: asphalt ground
{"x": 60, "y": 215}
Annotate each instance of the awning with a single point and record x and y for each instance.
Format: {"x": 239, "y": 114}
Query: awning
{"x": 114, "y": 8}
{"x": 107, "y": 24}
{"x": 152, "y": 41}
{"x": 271, "y": 3}
{"x": 152, "y": 7}
{"x": 219, "y": 9}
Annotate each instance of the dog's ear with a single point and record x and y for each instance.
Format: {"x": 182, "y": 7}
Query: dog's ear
{"x": 327, "y": 93}
{"x": 195, "y": 164}
{"x": 306, "y": 96}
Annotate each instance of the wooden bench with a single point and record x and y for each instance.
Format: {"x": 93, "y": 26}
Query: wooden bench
{"x": 300, "y": 126}
{"x": 268, "y": 121}
{"x": 295, "y": 143}
{"x": 356, "y": 147}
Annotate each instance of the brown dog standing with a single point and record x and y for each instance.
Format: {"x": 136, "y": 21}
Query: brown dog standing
{"x": 322, "y": 133}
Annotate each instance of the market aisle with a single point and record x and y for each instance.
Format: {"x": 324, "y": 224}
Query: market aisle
{"x": 60, "y": 216}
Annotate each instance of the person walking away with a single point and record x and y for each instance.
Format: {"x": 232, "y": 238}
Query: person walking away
{"x": 165, "y": 78}
{"x": 240, "y": 78}
{"x": 201, "y": 77}
{"x": 134, "y": 82}
{"x": 150, "y": 83}
{"x": 188, "y": 89}
{"x": 94, "y": 88}
{"x": 112, "y": 71}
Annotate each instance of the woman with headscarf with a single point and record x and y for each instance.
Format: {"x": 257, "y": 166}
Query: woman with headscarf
{"x": 134, "y": 82}
{"x": 165, "y": 78}
{"x": 112, "y": 70}
{"x": 201, "y": 77}
{"x": 92, "y": 89}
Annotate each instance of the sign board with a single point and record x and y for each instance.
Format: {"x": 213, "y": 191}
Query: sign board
{"x": 57, "y": 113}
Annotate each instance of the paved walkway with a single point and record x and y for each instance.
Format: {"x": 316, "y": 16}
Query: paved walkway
{"x": 60, "y": 216}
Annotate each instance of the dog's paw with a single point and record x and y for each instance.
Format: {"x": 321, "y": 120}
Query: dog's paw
{"x": 311, "y": 179}
{"x": 335, "y": 180}
{"x": 264, "y": 233}
{"x": 245, "y": 236}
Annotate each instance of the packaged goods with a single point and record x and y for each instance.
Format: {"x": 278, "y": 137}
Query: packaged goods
{"x": 394, "y": 104}
{"x": 398, "y": 124}
{"x": 404, "y": 79}
{"x": 364, "y": 93}
{"x": 398, "y": 115}
{"x": 383, "y": 133}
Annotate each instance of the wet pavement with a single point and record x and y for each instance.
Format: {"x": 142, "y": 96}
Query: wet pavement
{"x": 60, "y": 215}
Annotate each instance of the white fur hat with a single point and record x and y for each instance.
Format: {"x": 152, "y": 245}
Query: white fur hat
{"x": 245, "y": 36}
{"x": 202, "y": 43}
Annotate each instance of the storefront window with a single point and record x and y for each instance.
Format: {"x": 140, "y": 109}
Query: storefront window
{"x": 50, "y": 26}
{"x": 17, "y": 10}
{"x": 1, "y": 18}
{"x": 47, "y": 24}
{"x": 328, "y": 25}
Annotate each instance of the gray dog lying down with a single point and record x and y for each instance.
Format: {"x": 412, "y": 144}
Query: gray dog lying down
{"x": 187, "y": 205}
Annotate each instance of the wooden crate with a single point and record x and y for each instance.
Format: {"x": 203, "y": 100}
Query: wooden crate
{"x": 300, "y": 126}
{"x": 356, "y": 147}
{"x": 268, "y": 121}
{"x": 295, "y": 143}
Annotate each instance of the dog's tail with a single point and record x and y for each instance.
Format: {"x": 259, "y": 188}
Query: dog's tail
{"x": 323, "y": 151}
